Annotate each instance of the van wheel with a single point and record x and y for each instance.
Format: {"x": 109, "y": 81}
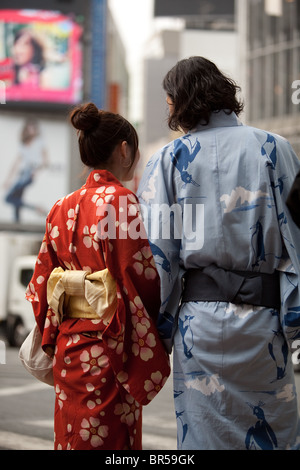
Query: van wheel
{"x": 16, "y": 332}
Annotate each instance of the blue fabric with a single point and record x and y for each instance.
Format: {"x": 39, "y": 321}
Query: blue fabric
{"x": 227, "y": 184}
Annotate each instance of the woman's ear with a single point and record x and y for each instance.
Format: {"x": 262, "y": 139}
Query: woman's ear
{"x": 125, "y": 155}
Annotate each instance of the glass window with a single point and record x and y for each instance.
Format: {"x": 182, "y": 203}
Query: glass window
{"x": 287, "y": 21}
{"x": 295, "y": 92}
{"x": 297, "y": 18}
{"x": 25, "y": 276}
{"x": 277, "y": 89}
{"x": 274, "y": 62}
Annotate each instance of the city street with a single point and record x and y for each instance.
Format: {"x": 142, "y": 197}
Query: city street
{"x": 26, "y": 410}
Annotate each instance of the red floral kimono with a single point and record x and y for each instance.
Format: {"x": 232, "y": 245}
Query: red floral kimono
{"x": 103, "y": 373}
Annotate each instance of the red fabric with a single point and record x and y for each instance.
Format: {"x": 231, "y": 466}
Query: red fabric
{"x": 103, "y": 374}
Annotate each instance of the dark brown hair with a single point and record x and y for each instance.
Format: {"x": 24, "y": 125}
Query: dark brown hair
{"x": 100, "y": 132}
{"x": 38, "y": 58}
{"x": 197, "y": 88}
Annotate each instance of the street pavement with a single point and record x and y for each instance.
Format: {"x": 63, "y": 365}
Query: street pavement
{"x": 26, "y": 411}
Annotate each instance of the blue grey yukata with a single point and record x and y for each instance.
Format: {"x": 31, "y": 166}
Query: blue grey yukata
{"x": 233, "y": 374}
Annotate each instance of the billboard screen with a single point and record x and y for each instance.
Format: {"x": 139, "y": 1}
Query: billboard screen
{"x": 34, "y": 166}
{"x": 40, "y": 56}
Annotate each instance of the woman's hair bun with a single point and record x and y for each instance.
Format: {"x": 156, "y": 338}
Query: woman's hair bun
{"x": 85, "y": 117}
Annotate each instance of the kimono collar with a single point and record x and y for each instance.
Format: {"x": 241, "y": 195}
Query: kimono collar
{"x": 220, "y": 119}
{"x": 100, "y": 177}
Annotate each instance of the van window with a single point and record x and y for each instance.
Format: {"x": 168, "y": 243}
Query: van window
{"x": 25, "y": 276}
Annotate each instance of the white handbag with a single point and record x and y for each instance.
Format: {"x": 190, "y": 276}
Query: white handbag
{"x": 34, "y": 359}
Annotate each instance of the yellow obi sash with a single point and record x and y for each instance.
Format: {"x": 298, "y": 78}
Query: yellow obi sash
{"x": 79, "y": 294}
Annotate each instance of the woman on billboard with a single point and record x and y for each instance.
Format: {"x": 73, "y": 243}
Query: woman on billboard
{"x": 31, "y": 159}
{"x": 40, "y": 56}
{"x": 28, "y": 58}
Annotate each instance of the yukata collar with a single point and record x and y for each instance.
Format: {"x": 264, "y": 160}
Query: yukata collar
{"x": 99, "y": 177}
{"x": 219, "y": 119}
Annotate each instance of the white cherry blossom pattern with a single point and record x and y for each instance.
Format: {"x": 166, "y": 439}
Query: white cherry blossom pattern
{"x": 53, "y": 233}
{"x": 61, "y": 200}
{"x": 91, "y": 404}
{"x": 69, "y": 266}
{"x": 117, "y": 343}
{"x": 143, "y": 342}
{"x": 31, "y": 294}
{"x": 73, "y": 339}
{"x": 60, "y": 395}
{"x": 90, "y": 387}
{"x": 91, "y": 238}
{"x": 97, "y": 177}
{"x": 87, "y": 268}
{"x": 133, "y": 205}
{"x": 43, "y": 248}
{"x": 69, "y": 447}
{"x": 67, "y": 360}
{"x": 97, "y": 322}
{"x": 51, "y": 319}
{"x": 40, "y": 279}
{"x": 54, "y": 358}
{"x": 72, "y": 248}
{"x": 91, "y": 430}
{"x": 103, "y": 195}
{"x": 154, "y": 386}
{"x": 72, "y": 218}
{"x": 144, "y": 263}
{"x": 132, "y": 198}
{"x": 139, "y": 313}
{"x": 122, "y": 377}
{"x": 129, "y": 412}
{"x": 94, "y": 360}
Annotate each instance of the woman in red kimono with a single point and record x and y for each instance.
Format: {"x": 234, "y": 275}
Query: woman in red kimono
{"x": 95, "y": 296}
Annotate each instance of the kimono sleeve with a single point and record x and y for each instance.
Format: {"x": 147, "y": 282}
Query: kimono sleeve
{"x": 282, "y": 174}
{"x": 36, "y": 292}
{"x": 156, "y": 197}
{"x": 135, "y": 350}
{"x": 127, "y": 253}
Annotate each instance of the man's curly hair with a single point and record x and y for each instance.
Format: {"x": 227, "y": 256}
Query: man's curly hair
{"x": 197, "y": 88}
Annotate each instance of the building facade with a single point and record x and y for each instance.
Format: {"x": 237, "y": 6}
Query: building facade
{"x": 271, "y": 58}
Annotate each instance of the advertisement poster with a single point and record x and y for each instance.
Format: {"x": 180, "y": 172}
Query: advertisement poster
{"x": 40, "y": 56}
{"x": 34, "y": 169}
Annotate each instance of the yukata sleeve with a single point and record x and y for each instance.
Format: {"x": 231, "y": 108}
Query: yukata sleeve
{"x": 282, "y": 171}
{"x": 293, "y": 200}
{"x": 159, "y": 209}
{"x": 137, "y": 355}
{"x": 36, "y": 292}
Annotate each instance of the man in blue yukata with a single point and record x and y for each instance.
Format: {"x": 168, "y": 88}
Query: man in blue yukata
{"x": 228, "y": 255}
